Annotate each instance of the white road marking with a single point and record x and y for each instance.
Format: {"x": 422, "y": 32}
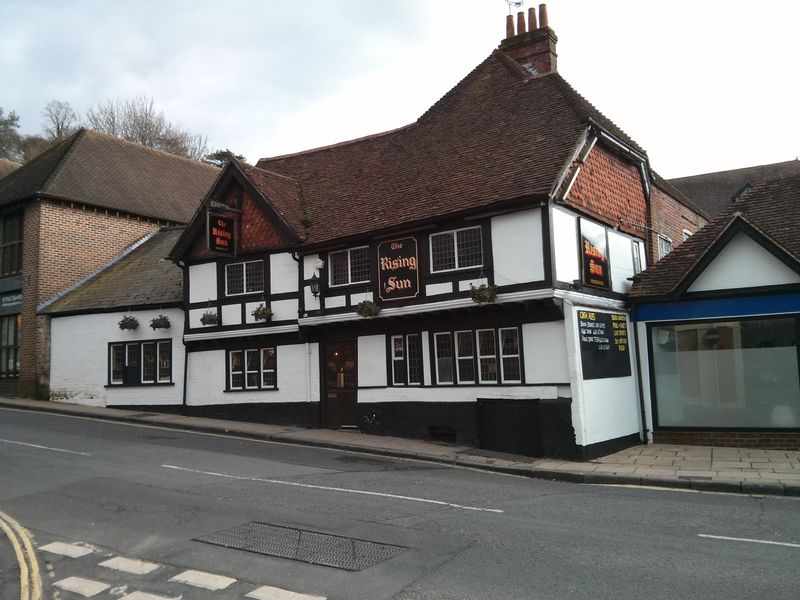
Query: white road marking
{"x": 735, "y": 539}
{"x": 267, "y": 592}
{"x": 85, "y": 587}
{"x": 63, "y": 549}
{"x": 201, "y": 579}
{"x": 146, "y": 596}
{"x": 335, "y": 489}
{"x": 46, "y": 448}
{"x": 128, "y": 565}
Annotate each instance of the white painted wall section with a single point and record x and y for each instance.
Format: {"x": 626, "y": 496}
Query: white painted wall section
{"x": 620, "y": 255}
{"x": 434, "y": 289}
{"x": 565, "y": 246}
{"x": 196, "y": 313}
{"x": 203, "y": 282}
{"x": 517, "y": 247}
{"x": 284, "y": 310}
{"x": 232, "y": 314}
{"x": 335, "y": 301}
{"x": 412, "y": 393}
{"x": 310, "y": 262}
{"x": 371, "y": 360}
{"x": 282, "y": 273}
{"x": 743, "y": 263}
{"x": 79, "y": 369}
{"x": 545, "y": 352}
{"x": 467, "y": 284}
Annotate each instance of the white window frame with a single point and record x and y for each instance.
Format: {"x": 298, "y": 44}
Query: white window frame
{"x": 350, "y": 281}
{"x": 454, "y": 233}
{"x": 468, "y": 333}
{"x": 436, "y": 337}
{"x": 231, "y": 373}
{"x": 636, "y": 257}
{"x": 257, "y": 370}
{"x": 668, "y": 240}
{"x": 480, "y": 355}
{"x": 260, "y": 369}
{"x": 124, "y": 348}
{"x": 518, "y": 355}
{"x": 266, "y": 370}
{"x": 686, "y": 234}
{"x": 408, "y": 362}
{"x": 141, "y": 362}
{"x": 244, "y": 291}
{"x": 158, "y": 361}
{"x": 396, "y": 359}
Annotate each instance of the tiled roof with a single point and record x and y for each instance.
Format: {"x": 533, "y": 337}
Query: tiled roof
{"x": 771, "y": 207}
{"x": 715, "y": 191}
{"x": 500, "y": 135}
{"x": 282, "y": 192}
{"x": 103, "y": 171}
{"x": 7, "y": 166}
{"x": 143, "y": 277}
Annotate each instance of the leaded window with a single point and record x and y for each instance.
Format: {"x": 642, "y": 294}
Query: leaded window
{"x": 252, "y": 369}
{"x": 244, "y": 278}
{"x": 349, "y": 266}
{"x": 457, "y": 249}
{"x": 136, "y": 363}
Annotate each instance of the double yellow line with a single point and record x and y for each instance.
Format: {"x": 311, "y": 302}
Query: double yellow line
{"x": 30, "y": 580}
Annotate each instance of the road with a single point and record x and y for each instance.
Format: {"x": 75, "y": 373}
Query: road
{"x": 117, "y": 490}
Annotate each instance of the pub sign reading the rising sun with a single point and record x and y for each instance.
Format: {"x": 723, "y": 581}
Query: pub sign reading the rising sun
{"x": 398, "y": 277}
{"x": 220, "y": 233}
{"x": 594, "y": 251}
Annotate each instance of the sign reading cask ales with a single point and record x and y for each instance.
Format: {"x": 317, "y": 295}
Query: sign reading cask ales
{"x": 604, "y": 344}
{"x": 398, "y": 277}
{"x": 220, "y": 233}
{"x": 594, "y": 250}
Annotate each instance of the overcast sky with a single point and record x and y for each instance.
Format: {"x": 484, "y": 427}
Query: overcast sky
{"x": 702, "y": 85}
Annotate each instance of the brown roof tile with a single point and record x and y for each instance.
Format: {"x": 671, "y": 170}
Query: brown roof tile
{"x": 103, "y": 171}
{"x": 771, "y": 207}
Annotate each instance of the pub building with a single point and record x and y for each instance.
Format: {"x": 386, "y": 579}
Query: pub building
{"x": 461, "y": 278}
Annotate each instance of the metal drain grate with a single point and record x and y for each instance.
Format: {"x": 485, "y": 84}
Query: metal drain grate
{"x": 307, "y": 546}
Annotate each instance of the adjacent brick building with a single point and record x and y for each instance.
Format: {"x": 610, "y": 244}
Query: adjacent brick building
{"x": 65, "y": 215}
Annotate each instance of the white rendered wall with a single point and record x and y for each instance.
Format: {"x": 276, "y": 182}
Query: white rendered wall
{"x": 565, "y": 246}
{"x": 296, "y": 383}
{"x": 517, "y": 247}
{"x": 602, "y": 409}
{"x": 310, "y": 262}
{"x": 203, "y": 282}
{"x": 412, "y": 393}
{"x": 620, "y": 255}
{"x": 743, "y": 263}
{"x": 282, "y": 273}
{"x": 79, "y": 369}
{"x": 545, "y": 351}
{"x": 371, "y": 360}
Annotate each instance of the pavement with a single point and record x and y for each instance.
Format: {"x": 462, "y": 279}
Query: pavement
{"x": 699, "y": 468}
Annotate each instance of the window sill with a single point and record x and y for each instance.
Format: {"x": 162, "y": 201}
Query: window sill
{"x": 136, "y": 385}
{"x": 237, "y": 391}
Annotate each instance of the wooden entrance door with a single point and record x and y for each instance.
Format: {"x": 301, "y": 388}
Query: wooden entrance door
{"x": 341, "y": 409}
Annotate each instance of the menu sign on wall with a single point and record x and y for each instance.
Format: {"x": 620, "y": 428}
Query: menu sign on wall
{"x": 604, "y": 344}
{"x": 594, "y": 252}
{"x": 220, "y": 233}
{"x": 398, "y": 277}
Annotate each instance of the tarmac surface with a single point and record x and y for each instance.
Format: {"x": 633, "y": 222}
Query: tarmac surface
{"x": 702, "y": 468}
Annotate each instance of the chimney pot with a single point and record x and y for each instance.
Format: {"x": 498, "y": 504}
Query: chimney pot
{"x": 509, "y": 26}
{"x": 543, "y": 15}
{"x": 520, "y": 22}
{"x": 532, "y": 26}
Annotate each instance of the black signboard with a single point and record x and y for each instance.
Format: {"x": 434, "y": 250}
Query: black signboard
{"x": 594, "y": 250}
{"x": 10, "y": 303}
{"x": 221, "y": 234}
{"x": 398, "y": 277}
{"x": 604, "y": 344}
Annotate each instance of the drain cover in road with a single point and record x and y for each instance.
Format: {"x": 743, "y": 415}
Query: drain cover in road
{"x": 307, "y": 546}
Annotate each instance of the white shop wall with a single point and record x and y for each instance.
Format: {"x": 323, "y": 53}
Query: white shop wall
{"x": 79, "y": 358}
{"x": 298, "y": 377}
{"x": 517, "y": 247}
{"x": 602, "y": 409}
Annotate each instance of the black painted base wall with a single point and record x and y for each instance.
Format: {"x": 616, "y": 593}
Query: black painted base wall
{"x": 607, "y": 447}
{"x": 295, "y": 414}
{"x": 442, "y": 421}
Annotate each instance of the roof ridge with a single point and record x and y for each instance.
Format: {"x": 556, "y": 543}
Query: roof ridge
{"x": 271, "y": 172}
{"x": 784, "y": 162}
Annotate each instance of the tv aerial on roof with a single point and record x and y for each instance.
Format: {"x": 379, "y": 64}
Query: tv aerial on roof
{"x": 512, "y": 4}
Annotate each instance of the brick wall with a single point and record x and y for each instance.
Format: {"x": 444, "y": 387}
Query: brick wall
{"x": 776, "y": 440}
{"x": 610, "y": 190}
{"x": 669, "y": 217}
{"x": 63, "y": 243}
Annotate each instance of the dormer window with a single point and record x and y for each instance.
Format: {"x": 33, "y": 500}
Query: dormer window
{"x": 244, "y": 278}
{"x": 457, "y": 249}
{"x": 349, "y": 266}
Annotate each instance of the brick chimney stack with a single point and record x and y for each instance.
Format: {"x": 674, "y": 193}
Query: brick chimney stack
{"x": 534, "y": 49}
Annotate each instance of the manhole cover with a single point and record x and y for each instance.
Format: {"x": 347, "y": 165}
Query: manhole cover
{"x": 301, "y": 544}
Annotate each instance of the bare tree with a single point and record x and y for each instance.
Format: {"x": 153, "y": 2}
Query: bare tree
{"x": 60, "y": 120}
{"x": 138, "y": 120}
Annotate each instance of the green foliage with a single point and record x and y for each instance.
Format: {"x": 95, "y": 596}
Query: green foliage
{"x": 218, "y": 158}
{"x": 368, "y": 308}
{"x": 128, "y": 322}
{"x": 160, "y": 322}
{"x": 483, "y": 294}
{"x": 209, "y": 318}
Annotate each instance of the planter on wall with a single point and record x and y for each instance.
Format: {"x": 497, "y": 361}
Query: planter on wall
{"x": 128, "y": 323}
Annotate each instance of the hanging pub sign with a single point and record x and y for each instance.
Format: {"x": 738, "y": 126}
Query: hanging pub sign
{"x": 594, "y": 250}
{"x": 398, "y": 277}
{"x": 604, "y": 344}
{"x": 221, "y": 233}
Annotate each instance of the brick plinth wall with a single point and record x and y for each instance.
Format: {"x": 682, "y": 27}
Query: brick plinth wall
{"x": 777, "y": 440}
{"x": 62, "y": 243}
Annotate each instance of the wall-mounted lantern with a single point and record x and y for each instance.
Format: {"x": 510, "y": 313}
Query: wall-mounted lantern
{"x": 315, "y": 285}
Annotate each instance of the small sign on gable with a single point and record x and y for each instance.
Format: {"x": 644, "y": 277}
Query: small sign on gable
{"x": 594, "y": 250}
{"x": 398, "y": 276}
{"x": 221, "y": 234}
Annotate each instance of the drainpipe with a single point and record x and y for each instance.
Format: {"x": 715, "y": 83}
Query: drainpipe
{"x": 185, "y": 373}
{"x": 639, "y": 377}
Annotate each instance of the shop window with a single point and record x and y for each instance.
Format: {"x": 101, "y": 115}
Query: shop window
{"x": 349, "y": 266}
{"x": 9, "y": 346}
{"x": 464, "y": 355}
{"x": 457, "y": 249}
{"x": 735, "y": 374}
{"x": 244, "y": 278}
{"x": 254, "y": 369}
{"x": 137, "y": 363}
{"x": 11, "y": 227}
{"x": 406, "y": 359}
